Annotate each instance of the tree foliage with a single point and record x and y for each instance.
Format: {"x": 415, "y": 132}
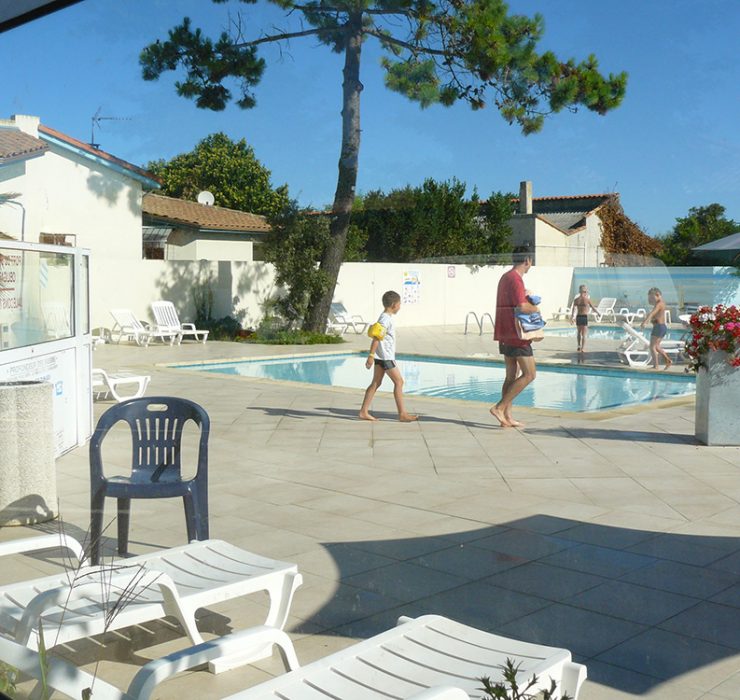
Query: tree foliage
{"x": 435, "y": 220}
{"x": 229, "y": 169}
{"x": 295, "y": 244}
{"x": 701, "y": 225}
{"x": 623, "y": 241}
{"x": 436, "y": 51}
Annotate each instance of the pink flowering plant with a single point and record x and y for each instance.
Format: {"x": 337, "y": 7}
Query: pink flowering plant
{"x": 715, "y": 328}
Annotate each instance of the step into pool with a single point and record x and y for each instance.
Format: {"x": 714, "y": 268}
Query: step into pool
{"x": 568, "y": 388}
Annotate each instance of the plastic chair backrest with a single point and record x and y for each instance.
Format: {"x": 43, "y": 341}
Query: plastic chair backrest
{"x": 165, "y": 315}
{"x": 156, "y": 425}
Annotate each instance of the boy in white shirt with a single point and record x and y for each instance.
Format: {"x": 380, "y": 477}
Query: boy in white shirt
{"x": 382, "y": 356}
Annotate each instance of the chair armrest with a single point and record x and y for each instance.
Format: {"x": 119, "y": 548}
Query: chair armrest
{"x": 187, "y": 326}
{"x": 34, "y": 544}
{"x": 153, "y": 673}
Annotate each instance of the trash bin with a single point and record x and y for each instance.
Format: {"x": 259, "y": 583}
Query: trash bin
{"x": 28, "y": 487}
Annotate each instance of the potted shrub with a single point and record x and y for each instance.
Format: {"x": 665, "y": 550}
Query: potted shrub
{"x": 713, "y": 350}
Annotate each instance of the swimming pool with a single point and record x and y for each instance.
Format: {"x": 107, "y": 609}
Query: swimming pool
{"x": 616, "y": 333}
{"x": 562, "y": 388}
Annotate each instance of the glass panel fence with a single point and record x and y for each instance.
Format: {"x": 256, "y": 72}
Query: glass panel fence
{"x": 36, "y": 293}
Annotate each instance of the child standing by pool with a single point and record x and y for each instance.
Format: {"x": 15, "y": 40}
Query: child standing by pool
{"x": 660, "y": 328}
{"x": 382, "y": 357}
{"x": 581, "y": 306}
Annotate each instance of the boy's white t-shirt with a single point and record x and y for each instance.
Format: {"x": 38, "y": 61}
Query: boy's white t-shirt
{"x": 386, "y": 349}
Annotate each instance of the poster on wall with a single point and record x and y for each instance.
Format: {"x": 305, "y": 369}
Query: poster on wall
{"x": 57, "y": 368}
{"x": 411, "y": 290}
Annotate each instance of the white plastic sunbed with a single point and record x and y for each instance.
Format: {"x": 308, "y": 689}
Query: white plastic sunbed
{"x": 126, "y": 324}
{"x": 167, "y": 321}
{"x": 428, "y": 658}
{"x": 104, "y": 383}
{"x": 423, "y": 658}
{"x": 339, "y": 317}
{"x": 605, "y": 309}
{"x": 76, "y": 603}
{"x": 635, "y": 351}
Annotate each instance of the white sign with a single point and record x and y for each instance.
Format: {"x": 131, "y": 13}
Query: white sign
{"x": 411, "y": 292}
{"x": 58, "y": 368}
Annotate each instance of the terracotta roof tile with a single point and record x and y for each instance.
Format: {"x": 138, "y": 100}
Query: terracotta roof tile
{"x": 181, "y": 211}
{"x": 18, "y": 145}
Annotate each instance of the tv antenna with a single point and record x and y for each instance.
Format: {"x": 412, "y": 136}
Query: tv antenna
{"x": 95, "y": 122}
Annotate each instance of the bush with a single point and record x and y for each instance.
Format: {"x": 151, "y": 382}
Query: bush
{"x": 226, "y": 328}
{"x": 276, "y": 335}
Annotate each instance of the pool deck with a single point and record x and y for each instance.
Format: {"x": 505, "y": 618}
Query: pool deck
{"x": 616, "y": 536}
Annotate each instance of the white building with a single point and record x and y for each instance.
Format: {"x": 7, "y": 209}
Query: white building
{"x": 560, "y": 230}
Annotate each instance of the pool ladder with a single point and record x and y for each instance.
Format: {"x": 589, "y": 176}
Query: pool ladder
{"x": 478, "y": 321}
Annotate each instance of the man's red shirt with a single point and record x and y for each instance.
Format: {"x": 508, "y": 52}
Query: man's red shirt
{"x": 510, "y": 294}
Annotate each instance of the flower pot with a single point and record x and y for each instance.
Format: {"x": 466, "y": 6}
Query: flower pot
{"x": 717, "y": 418}
{"x": 28, "y": 486}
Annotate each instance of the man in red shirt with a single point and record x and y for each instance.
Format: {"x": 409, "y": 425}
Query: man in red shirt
{"x": 520, "y": 366}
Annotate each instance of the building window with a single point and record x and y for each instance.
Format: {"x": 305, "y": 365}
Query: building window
{"x": 154, "y": 240}
{"x": 67, "y": 239}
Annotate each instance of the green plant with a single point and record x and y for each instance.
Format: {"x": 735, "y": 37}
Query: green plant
{"x": 272, "y": 332}
{"x": 509, "y": 688}
{"x": 226, "y": 328}
{"x": 203, "y": 301}
{"x": 711, "y": 329}
{"x": 8, "y": 679}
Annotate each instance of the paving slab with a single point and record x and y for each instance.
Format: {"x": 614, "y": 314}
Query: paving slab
{"x": 615, "y": 534}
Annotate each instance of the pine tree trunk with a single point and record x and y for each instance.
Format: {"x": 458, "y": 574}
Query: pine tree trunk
{"x": 318, "y": 310}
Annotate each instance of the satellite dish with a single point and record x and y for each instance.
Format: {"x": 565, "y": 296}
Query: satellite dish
{"x": 205, "y": 197}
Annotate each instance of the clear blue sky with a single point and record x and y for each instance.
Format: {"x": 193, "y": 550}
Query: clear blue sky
{"x": 672, "y": 145}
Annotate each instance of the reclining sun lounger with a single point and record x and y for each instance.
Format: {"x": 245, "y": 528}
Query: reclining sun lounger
{"x": 635, "y": 350}
{"x": 104, "y": 384}
{"x": 76, "y": 603}
{"x": 429, "y": 658}
{"x": 126, "y": 324}
{"x": 167, "y": 321}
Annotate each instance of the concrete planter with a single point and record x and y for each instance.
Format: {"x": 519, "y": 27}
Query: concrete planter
{"x": 28, "y": 486}
{"x": 717, "y": 419}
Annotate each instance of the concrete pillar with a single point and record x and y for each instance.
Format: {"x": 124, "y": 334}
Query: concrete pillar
{"x": 28, "y": 486}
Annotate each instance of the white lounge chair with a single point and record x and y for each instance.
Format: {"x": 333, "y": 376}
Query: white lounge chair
{"x": 104, "y": 384}
{"x": 605, "y": 309}
{"x": 635, "y": 350}
{"x": 76, "y": 603}
{"x": 428, "y": 658}
{"x": 127, "y": 325}
{"x": 166, "y": 319}
{"x": 63, "y": 677}
{"x": 564, "y": 311}
{"x": 628, "y": 315}
{"x": 339, "y": 316}
{"x": 56, "y": 319}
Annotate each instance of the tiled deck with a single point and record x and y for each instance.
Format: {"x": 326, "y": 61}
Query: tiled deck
{"x": 617, "y": 538}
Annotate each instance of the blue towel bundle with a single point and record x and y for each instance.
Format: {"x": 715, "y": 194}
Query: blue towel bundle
{"x": 533, "y": 321}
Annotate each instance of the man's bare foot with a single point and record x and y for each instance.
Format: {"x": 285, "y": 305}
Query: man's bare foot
{"x": 366, "y": 416}
{"x": 407, "y": 418}
{"x": 668, "y": 363}
{"x": 500, "y": 417}
{"x": 514, "y": 423}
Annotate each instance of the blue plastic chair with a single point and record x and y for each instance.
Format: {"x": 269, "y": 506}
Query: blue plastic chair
{"x": 156, "y": 425}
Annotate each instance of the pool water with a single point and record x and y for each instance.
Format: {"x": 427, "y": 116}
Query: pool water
{"x": 562, "y": 388}
{"x": 610, "y": 333}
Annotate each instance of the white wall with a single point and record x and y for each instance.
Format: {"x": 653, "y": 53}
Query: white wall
{"x": 187, "y": 245}
{"x": 240, "y": 289}
{"x": 62, "y": 192}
